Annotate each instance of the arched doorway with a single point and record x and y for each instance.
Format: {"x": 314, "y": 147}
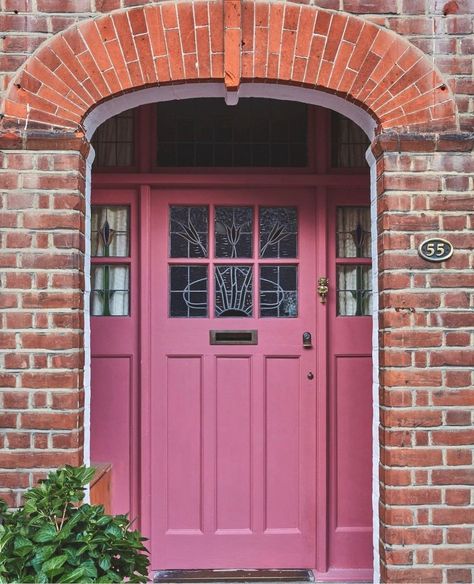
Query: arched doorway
{"x": 395, "y": 85}
{"x": 258, "y": 450}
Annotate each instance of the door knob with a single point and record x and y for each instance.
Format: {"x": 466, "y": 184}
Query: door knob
{"x": 323, "y": 289}
{"x": 310, "y": 375}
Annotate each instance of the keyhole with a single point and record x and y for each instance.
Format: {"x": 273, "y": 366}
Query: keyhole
{"x": 310, "y": 375}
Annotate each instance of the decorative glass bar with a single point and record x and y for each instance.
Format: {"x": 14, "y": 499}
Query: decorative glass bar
{"x": 278, "y": 232}
{"x": 278, "y": 291}
{"x": 353, "y": 232}
{"x": 110, "y": 293}
{"x": 188, "y": 231}
{"x": 354, "y": 290}
{"x": 233, "y": 291}
{"x": 188, "y": 291}
{"x": 110, "y": 235}
{"x": 234, "y": 229}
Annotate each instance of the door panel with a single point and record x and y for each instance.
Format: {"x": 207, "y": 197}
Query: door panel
{"x": 350, "y": 385}
{"x": 235, "y": 485}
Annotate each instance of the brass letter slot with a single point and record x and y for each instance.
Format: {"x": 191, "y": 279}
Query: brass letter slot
{"x": 233, "y": 337}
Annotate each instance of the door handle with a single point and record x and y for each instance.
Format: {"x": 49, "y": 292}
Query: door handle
{"x": 323, "y": 288}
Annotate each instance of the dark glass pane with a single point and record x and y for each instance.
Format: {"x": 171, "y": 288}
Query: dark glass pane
{"x": 255, "y": 132}
{"x": 110, "y": 290}
{"x": 110, "y": 231}
{"x": 234, "y": 226}
{"x": 113, "y": 141}
{"x": 353, "y": 232}
{"x": 354, "y": 290}
{"x": 188, "y": 232}
{"x": 188, "y": 291}
{"x": 349, "y": 143}
{"x": 278, "y": 291}
{"x": 278, "y": 232}
{"x": 233, "y": 291}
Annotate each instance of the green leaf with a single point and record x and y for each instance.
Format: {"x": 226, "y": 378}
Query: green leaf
{"x": 114, "y": 530}
{"x": 89, "y": 569}
{"x": 52, "y": 565}
{"x": 46, "y": 533}
{"x": 22, "y": 546}
{"x": 74, "y": 576}
{"x": 104, "y": 563}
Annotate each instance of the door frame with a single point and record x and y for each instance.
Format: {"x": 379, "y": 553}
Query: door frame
{"x": 144, "y": 227}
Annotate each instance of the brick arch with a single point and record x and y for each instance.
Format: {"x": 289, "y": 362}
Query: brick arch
{"x": 233, "y": 42}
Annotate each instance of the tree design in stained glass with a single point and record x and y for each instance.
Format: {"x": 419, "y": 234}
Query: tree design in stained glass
{"x": 110, "y": 231}
{"x": 188, "y": 231}
{"x": 110, "y": 290}
{"x": 278, "y": 291}
{"x": 234, "y": 226}
{"x": 354, "y": 290}
{"x": 188, "y": 291}
{"x": 353, "y": 232}
{"x": 278, "y": 232}
{"x": 233, "y": 290}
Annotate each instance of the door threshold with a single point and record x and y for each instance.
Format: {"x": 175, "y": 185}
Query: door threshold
{"x": 227, "y": 576}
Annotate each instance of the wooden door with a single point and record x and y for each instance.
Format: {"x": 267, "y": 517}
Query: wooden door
{"x": 233, "y": 425}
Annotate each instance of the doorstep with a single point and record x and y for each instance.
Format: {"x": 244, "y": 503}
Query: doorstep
{"x": 232, "y": 576}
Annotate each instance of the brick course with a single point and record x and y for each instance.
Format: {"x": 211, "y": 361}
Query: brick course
{"x": 407, "y": 62}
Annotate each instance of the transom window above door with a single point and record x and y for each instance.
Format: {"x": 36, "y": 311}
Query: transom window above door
{"x": 206, "y": 133}
{"x": 233, "y": 261}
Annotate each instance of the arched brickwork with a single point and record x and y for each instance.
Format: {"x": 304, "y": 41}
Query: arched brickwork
{"x": 232, "y": 42}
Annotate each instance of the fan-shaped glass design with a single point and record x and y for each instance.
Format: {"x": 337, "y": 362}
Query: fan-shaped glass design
{"x": 233, "y": 290}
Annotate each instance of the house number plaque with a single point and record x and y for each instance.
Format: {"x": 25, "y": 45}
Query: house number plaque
{"x": 436, "y": 249}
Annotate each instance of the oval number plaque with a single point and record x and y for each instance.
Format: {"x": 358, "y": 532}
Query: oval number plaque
{"x": 436, "y": 249}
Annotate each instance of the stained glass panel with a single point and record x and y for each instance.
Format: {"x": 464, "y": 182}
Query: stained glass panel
{"x": 353, "y": 232}
{"x": 278, "y": 291}
{"x": 110, "y": 290}
{"x": 278, "y": 232}
{"x": 188, "y": 232}
{"x": 188, "y": 291}
{"x": 110, "y": 231}
{"x": 233, "y": 290}
{"x": 234, "y": 226}
{"x": 354, "y": 290}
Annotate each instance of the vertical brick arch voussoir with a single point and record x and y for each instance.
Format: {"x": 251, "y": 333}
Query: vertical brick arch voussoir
{"x": 233, "y": 42}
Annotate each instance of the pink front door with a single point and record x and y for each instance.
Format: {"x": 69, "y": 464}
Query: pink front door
{"x": 233, "y": 389}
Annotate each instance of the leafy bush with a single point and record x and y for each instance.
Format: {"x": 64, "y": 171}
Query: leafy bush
{"x": 53, "y": 538}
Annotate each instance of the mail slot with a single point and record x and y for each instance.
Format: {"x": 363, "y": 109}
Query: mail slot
{"x": 233, "y": 337}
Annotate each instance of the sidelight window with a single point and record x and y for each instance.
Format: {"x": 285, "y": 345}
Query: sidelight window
{"x": 110, "y": 250}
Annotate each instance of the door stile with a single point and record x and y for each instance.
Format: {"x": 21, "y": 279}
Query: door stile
{"x": 321, "y": 560}
{"x": 144, "y": 351}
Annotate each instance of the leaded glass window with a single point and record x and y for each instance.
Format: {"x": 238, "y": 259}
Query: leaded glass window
{"x": 234, "y": 229}
{"x": 278, "y": 232}
{"x": 354, "y": 290}
{"x": 110, "y": 235}
{"x": 189, "y": 232}
{"x": 113, "y": 141}
{"x": 353, "y": 232}
{"x": 353, "y": 266}
{"x": 253, "y": 133}
{"x": 233, "y": 277}
{"x": 110, "y": 290}
{"x": 278, "y": 291}
{"x": 233, "y": 286}
{"x": 188, "y": 291}
{"x": 349, "y": 143}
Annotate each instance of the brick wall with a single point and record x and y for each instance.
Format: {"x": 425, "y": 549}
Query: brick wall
{"x": 424, "y": 188}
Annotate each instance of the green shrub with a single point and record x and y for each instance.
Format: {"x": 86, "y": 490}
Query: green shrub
{"x": 53, "y": 538}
